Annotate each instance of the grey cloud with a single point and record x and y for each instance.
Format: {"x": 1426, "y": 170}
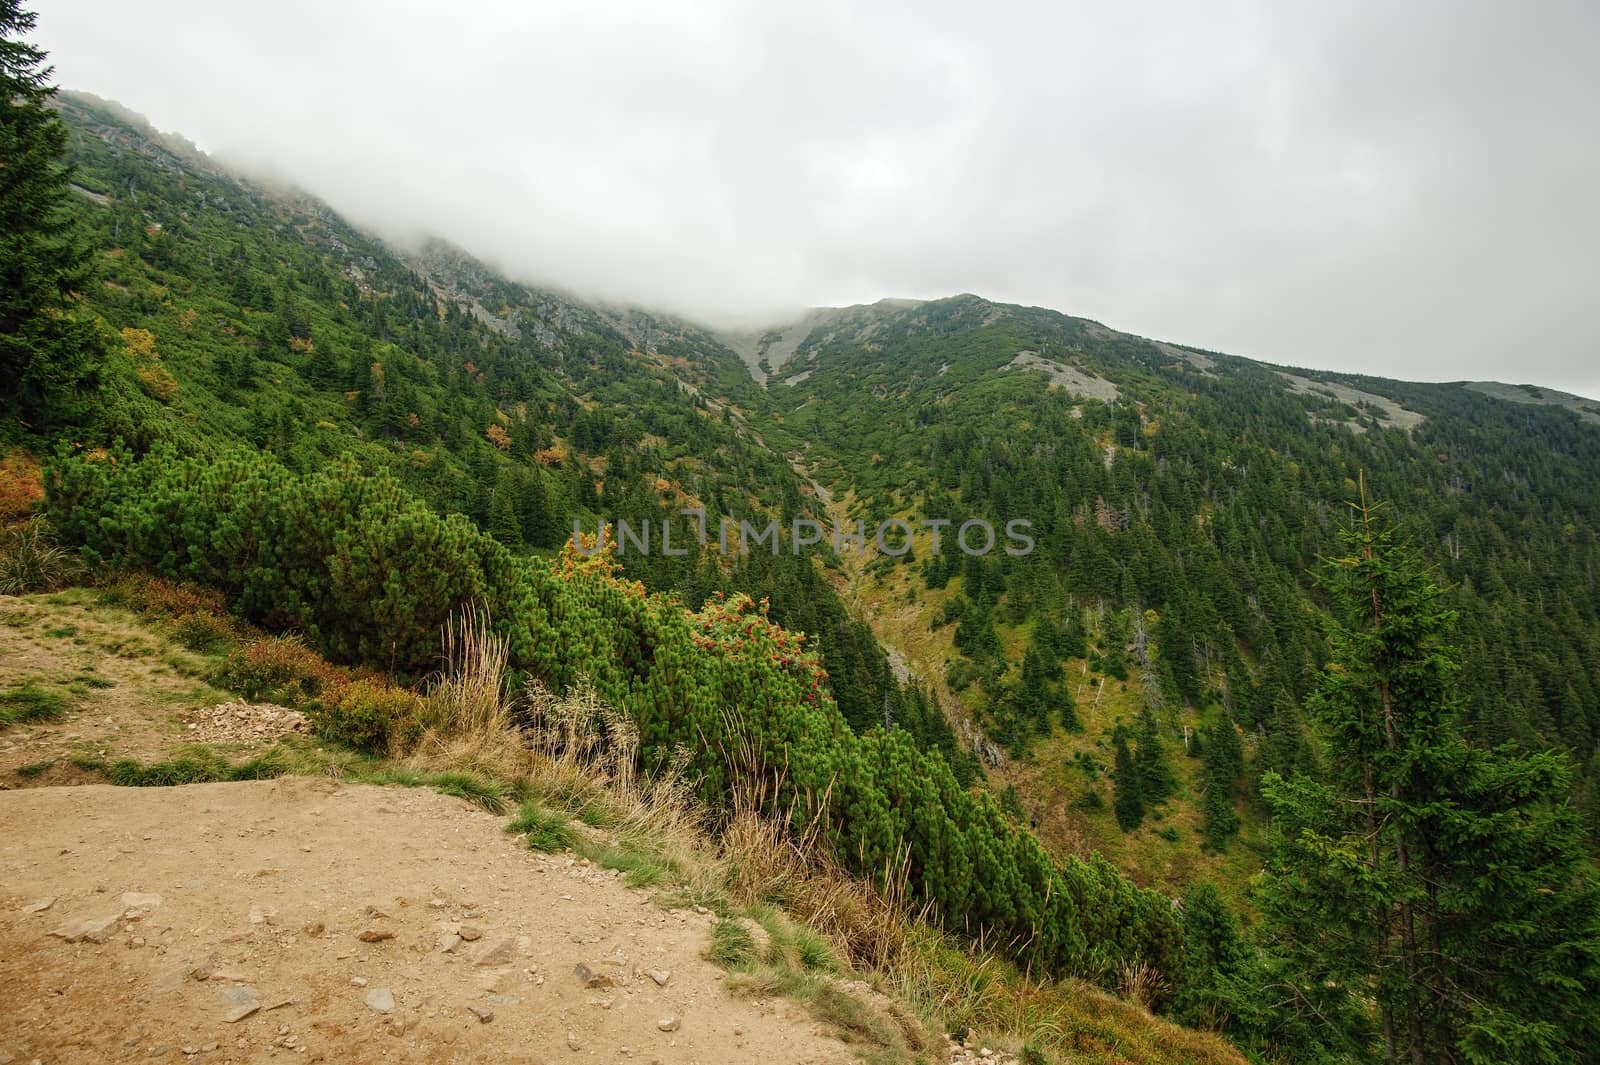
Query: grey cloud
{"x": 1397, "y": 189}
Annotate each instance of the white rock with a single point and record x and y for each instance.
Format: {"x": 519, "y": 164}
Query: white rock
{"x": 380, "y": 999}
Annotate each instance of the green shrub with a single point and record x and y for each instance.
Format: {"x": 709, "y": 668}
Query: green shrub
{"x": 369, "y": 716}
{"x": 203, "y": 632}
{"x": 279, "y": 668}
{"x": 146, "y": 593}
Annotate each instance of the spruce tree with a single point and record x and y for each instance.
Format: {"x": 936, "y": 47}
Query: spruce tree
{"x": 1443, "y": 883}
{"x": 49, "y": 356}
{"x": 1126, "y": 786}
{"x": 1222, "y": 760}
{"x": 1155, "y": 775}
{"x": 1214, "y": 957}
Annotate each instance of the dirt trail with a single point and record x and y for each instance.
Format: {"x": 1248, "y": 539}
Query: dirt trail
{"x": 266, "y": 888}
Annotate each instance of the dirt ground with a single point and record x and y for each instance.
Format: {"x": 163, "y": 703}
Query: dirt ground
{"x": 304, "y": 919}
{"x": 129, "y": 687}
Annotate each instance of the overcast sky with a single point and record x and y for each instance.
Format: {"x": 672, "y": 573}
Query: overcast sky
{"x": 1405, "y": 189}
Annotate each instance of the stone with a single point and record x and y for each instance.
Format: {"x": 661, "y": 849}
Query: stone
{"x": 94, "y": 929}
{"x": 470, "y": 933}
{"x": 495, "y": 979}
{"x": 140, "y": 900}
{"x": 380, "y": 999}
{"x": 449, "y": 942}
{"x": 375, "y": 935}
{"x": 358, "y": 981}
{"x": 591, "y": 979}
{"x": 670, "y": 1024}
{"x": 483, "y": 1013}
{"x": 314, "y": 928}
{"x": 41, "y": 905}
{"x": 573, "y": 1042}
{"x": 503, "y": 952}
{"x": 660, "y": 976}
{"x": 241, "y": 1002}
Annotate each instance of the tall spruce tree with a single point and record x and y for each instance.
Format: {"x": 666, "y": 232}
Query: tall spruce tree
{"x": 1443, "y": 884}
{"x": 1156, "y": 781}
{"x": 1126, "y": 786}
{"x": 1222, "y": 760}
{"x": 48, "y": 355}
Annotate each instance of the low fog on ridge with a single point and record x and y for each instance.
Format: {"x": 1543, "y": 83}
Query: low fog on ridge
{"x": 1405, "y": 190}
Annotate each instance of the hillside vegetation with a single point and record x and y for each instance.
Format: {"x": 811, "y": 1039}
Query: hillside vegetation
{"x": 1316, "y": 772}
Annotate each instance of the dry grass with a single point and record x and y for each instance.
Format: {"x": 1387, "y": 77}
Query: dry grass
{"x": 465, "y": 716}
{"x": 963, "y": 989}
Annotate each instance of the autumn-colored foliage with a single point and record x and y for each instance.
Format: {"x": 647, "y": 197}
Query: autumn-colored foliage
{"x": 21, "y": 485}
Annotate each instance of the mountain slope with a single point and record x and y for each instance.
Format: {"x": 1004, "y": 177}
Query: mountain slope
{"x": 251, "y": 314}
{"x": 1181, "y": 500}
{"x": 1180, "y": 497}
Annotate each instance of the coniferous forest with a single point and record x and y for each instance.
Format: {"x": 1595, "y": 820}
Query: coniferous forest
{"x": 1295, "y": 701}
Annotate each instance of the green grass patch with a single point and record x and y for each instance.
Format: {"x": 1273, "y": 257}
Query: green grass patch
{"x": 201, "y": 764}
{"x": 641, "y": 867}
{"x": 597, "y": 813}
{"x": 34, "y": 769}
{"x": 544, "y": 829}
{"x": 195, "y": 765}
{"x": 31, "y": 702}
{"x": 732, "y": 946}
{"x": 492, "y": 795}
